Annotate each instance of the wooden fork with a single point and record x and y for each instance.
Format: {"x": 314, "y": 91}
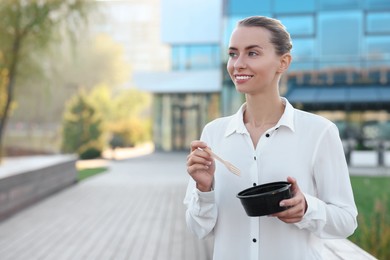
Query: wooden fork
{"x": 227, "y": 164}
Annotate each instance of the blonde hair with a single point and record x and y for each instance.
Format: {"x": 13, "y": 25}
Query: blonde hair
{"x": 280, "y": 36}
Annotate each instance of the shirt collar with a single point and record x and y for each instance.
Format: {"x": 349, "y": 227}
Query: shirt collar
{"x": 236, "y": 124}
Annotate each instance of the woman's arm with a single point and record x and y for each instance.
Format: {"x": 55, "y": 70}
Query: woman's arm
{"x": 201, "y": 214}
{"x": 332, "y": 212}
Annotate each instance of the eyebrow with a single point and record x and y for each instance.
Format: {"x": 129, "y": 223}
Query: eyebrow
{"x": 248, "y": 47}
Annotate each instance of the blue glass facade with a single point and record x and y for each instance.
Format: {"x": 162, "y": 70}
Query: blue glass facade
{"x": 334, "y": 41}
{"x": 195, "y": 57}
{"x": 325, "y": 33}
{"x": 341, "y": 54}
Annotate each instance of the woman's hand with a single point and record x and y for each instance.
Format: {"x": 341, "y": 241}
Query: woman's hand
{"x": 297, "y": 205}
{"x": 201, "y": 166}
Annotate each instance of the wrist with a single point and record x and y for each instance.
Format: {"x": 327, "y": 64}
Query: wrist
{"x": 203, "y": 188}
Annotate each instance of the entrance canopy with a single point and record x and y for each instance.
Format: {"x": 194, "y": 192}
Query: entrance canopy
{"x": 344, "y": 97}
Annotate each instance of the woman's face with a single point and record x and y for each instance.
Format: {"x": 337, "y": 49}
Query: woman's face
{"x": 253, "y": 64}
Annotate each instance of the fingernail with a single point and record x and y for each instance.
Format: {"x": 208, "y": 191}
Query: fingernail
{"x": 281, "y": 204}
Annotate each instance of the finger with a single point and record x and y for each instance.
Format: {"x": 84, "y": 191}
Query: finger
{"x": 197, "y": 144}
{"x": 291, "y": 180}
{"x": 289, "y": 214}
{"x": 199, "y": 153}
{"x": 198, "y": 160}
{"x": 290, "y": 220}
{"x": 194, "y": 160}
{"x": 196, "y": 168}
{"x": 294, "y": 185}
{"x": 290, "y": 202}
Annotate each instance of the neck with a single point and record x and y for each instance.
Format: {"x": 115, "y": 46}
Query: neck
{"x": 263, "y": 111}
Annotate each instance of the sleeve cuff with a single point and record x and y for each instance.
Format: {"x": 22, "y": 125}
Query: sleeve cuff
{"x": 205, "y": 197}
{"x": 203, "y": 202}
{"x": 313, "y": 212}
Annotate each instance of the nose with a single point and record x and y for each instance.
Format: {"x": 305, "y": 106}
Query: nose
{"x": 239, "y": 63}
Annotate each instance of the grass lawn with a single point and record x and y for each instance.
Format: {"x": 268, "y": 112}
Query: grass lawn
{"x": 372, "y": 200}
{"x": 86, "y": 173}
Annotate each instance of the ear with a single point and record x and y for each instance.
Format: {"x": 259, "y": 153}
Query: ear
{"x": 285, "y": 61}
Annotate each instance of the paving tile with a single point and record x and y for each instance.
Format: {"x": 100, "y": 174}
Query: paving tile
{"x": 134, "y": 211}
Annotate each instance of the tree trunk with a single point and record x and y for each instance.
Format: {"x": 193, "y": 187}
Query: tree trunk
{"x": 9, "y": 90}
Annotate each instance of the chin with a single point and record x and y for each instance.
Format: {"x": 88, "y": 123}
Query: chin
{"x": 241, "y": 89}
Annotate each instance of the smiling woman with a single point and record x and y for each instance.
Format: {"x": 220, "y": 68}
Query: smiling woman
{"x": 268, "y": 140}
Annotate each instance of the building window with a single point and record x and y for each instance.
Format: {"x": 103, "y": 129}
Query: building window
{"x": 248, "y": 7}
{"x": 299, "y": 25}
{"x": 304, "y": 54}
{"x": 179, "y": 56}
{"x": 377, "y": 4}
{"x": 195, "y": 57}
{"x": 304, "y": 6}
{"x": 340, "y": 4}
{"x": 340, "y": 36}
{"x": 378, "y": 50}
{"x": 378, "y": 23}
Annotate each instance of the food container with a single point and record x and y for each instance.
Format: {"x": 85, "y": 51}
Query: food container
{"x": 264, "y": 199}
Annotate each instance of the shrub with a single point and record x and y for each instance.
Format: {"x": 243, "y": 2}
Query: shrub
{"x": 129, "y": 132}
{"x": 90, "y": 153}
{"x": 82, "y": 127}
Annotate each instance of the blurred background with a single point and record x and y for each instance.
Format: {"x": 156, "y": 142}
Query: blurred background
{"x": 86, "y": 77}
{"x": 154, "y": 74}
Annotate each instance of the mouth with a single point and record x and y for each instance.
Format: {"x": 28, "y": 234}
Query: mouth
{"x": 241, "y": 78}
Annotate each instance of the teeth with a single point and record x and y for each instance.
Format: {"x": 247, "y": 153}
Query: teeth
{"x": 243, "y": 77}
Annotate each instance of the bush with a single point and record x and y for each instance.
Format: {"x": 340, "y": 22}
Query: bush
{"x": 130, "y": 132}
{"x": 117, "y": 141}
{"x": 82, "y": 127}
{"x": 90, "y": 153}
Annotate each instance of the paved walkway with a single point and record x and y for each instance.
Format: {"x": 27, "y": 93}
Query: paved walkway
{"x": 133, "y": 211}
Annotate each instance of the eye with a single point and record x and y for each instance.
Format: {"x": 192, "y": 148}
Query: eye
{"x": 232, "y": 54}
{"x": 252, "y": 53}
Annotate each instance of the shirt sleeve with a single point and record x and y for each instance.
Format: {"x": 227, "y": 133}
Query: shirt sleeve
{"x": 201, "y": 214}
{"x": 332, "y": 212}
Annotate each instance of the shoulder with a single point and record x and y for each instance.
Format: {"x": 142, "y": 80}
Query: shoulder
{"x": 310, "y": 121}
{"x": 308, "y": 117}
{"x": 218, "y": 125}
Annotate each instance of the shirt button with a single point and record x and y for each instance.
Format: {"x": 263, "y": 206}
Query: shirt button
{"x": 254, "y": 240}
{"x": 267, "y": 135}
{"x": 254, "y": 184}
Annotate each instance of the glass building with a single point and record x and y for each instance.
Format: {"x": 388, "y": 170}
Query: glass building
{"x": 340, "y": 43}
{"x": 341, "y": 62}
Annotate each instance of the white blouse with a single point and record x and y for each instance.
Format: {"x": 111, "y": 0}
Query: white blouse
{"x": 301, "y": 145}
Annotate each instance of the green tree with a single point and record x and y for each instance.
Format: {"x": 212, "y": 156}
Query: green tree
{"x": 27, "y": 28}
{"x": 126, "y": 114}
{"x": 132, "y": 117}
{"x": 82, "y": 127}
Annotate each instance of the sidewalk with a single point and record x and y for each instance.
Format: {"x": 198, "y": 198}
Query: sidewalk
{"x": 133, "y": 211}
